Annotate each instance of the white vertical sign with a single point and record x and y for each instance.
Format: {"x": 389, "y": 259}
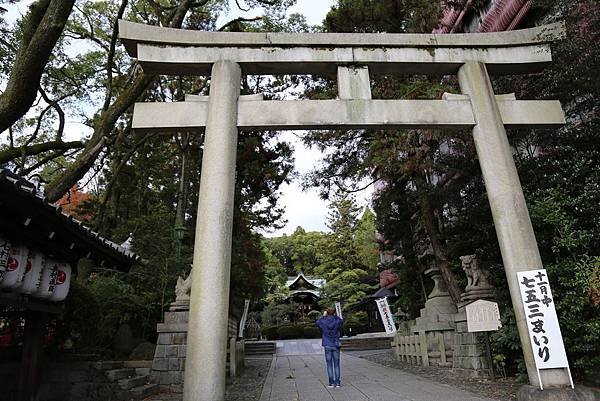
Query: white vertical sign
{"x": 338, "y": 309}
{"x": 542, "y": 322}
{"x": 386, "y": 315}
{"x": 244, "y": 317}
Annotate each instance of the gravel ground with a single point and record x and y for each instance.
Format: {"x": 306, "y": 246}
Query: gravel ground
{"x": 501, "y": 388}
{"x": 246, "y": 387}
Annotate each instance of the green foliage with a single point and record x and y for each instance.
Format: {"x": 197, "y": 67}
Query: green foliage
{"x": 82, "y": 314}
{"x": 276, "y": 313}
{"x": 118, "y": 303}
{"x": 270, "y": 332}
{"x": 288, "y": 332}
{"x": 348, "y": 279}
{"x": 355, "y": 323}
{"x": 299, "y": 252}
{"x": 310, "y": 331}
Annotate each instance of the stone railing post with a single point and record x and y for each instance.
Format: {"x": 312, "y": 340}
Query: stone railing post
{"x": 205, "y": 366}
{"x": 511, "y": 218}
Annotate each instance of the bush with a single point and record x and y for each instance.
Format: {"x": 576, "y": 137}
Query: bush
{"x": 313, "y": 315}
{"x": 310, "y": 331}
{"x": 289, "y": 332}
{"x": 270, "y": 332}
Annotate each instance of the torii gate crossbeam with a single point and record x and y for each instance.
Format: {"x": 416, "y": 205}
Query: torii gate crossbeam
{"x": 226, "y": 56}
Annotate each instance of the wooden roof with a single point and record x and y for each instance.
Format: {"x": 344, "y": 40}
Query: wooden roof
{"x": 28, "y": 218}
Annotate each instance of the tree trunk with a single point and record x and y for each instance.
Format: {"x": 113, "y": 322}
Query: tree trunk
{"x": 432, "y": 229}
{"x": 42, "y": 28}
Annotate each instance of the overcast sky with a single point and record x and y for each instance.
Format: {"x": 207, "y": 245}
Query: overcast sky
{"x": 304, "y": 209}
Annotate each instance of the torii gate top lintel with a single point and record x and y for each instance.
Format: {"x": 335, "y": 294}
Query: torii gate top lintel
{"x": 179, "y": 51}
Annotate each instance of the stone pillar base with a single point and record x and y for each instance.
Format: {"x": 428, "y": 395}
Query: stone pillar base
{"x": 580, "y": 393}
{"x": 169, "y": 358}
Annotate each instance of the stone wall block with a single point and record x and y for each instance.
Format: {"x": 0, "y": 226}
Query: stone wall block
{"x": 182, "y": 351}
{"x": 179, "y": 338}
{"x": 160, "y": 364}
{"x": 165, "y": 338}
{"x": 176, "y": 317}
{"x": 174, "y": 364}
{"x": 160, "y": 351}
{"x": 171, "y": 351}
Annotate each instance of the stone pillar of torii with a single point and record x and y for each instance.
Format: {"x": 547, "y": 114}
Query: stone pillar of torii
{"x": 352, "y": 57}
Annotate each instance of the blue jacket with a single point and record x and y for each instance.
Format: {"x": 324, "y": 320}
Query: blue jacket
{"x": 330, "y": 327}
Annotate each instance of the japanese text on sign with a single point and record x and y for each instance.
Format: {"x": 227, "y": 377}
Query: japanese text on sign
{"x": 542, "y": 322}
{"x": 386, "y": 315}
{"x": 338, "y": 309}
{"x": 4, "y": 253}
{"x": 483, "y": 316}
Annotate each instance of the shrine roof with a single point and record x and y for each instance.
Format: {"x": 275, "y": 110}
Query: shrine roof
{"x": 28, "y": 217}
{"x": 312, "y": 282}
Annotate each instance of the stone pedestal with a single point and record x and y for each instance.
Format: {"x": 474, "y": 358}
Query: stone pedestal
{"x": 169, "y": 358}
{"x": 469, "y": 348}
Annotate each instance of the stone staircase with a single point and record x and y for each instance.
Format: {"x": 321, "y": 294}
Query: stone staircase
{"x": 254, "y": 348}
{"x": 131, "y": 377}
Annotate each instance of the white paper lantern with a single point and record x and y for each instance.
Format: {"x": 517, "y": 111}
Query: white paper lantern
{"x": 62, "y": 282}
{"x": 15, "y": 267}
{"x": 4, "y": 254}
{"x": 49, "y": 273}
{"x": 33, "y": 273}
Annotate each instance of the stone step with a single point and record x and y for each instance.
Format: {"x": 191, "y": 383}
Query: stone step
{"x": 142, "y": 371}
{"x": 141, "y": 392}
{"x": 132, "y": 382}
{"x": 259, "y": 348}
{"x": 108, "y": 365}
{"x": 118, "y": 374}
{"x": 137, "y": 364}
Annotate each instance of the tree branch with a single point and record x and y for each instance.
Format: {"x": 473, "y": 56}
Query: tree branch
{"x": 13, "y": 153}
{"x": 111, "y": 55}
{"x": 237, "y": 20}
{"x": 43, "y": 26}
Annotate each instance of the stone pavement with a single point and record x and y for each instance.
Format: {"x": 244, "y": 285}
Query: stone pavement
{"x": 297, "y": 377}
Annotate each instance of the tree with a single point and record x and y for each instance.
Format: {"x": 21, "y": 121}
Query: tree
{"x": 348, "y": 280}
{"x": 39, "y": 32}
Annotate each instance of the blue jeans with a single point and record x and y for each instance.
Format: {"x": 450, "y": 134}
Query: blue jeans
{"x": 332, "y": 357}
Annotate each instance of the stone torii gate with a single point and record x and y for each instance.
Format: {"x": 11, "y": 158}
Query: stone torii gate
{"x": 225, "y": 56}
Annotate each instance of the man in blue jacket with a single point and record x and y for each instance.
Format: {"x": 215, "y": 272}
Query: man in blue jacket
{"x": 331, "y": 326}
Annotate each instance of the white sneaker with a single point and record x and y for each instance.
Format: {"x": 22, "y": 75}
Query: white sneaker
{"x": 330, "y": 386}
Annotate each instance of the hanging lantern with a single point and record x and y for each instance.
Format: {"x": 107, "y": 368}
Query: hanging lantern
{"x": 33, "y": 273}
{"x": 15, "y": 267}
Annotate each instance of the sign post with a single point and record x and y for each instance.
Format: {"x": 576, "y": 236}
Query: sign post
{"x": 542, "y": 322}
{"x": 484, "y": 316}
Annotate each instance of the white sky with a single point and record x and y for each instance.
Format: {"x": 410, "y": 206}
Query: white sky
{"x": 304, "y": 209}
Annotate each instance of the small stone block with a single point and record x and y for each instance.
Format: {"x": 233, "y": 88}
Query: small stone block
{"x": 174, "y": 364}
{"x": 160, "y": 364}
{"x": 179, "y": 338}
{"x": 160, "y": 351}
{"x": 165, "y": 338}
{"x": 182, "y": 351}
{"x": 171, "y": 351}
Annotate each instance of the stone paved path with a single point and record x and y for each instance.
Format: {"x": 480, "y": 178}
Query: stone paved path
{"x": 297, "y": 377}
